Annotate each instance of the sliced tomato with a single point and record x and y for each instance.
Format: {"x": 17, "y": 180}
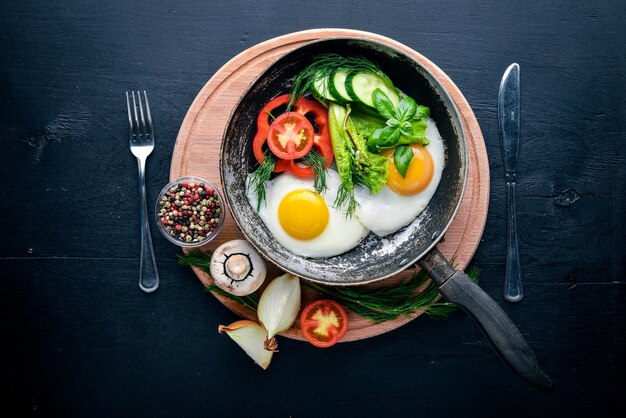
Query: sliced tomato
{"x": 290, "y": 136}
{"x": 321, "y": 139}
{"x": 324, "y": 323}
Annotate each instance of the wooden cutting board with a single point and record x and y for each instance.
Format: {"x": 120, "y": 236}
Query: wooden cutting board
{"x": 198, "y": 144}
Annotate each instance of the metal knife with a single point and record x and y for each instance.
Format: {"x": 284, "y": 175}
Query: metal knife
{"x": 509, "y": 127}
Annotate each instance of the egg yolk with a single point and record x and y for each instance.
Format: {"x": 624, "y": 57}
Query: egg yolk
{"x": 303, "y": 214}
{"x": 418, "y": 175}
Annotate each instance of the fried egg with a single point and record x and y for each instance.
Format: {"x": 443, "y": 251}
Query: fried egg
{"x": 402, "y": 199}
{"x": 305, "y": 222}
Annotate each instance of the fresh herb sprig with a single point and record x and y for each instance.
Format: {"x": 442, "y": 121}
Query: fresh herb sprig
{"x": 250, "y": 301}
{"x": 196, "y": 258}
{"x": 404, "y": 126}
{"x": 401, "y": 127}
{"x": 387, "y": 303}
{"x": 318, "y": 164}
{"x": 378, "y": 305}
{"x": 260, "y": 176}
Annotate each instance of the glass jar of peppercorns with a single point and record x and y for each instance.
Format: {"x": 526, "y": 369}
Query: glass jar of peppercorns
{"x": 190, "y": 211}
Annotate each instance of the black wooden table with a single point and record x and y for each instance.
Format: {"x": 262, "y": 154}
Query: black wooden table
{"x": 80, "y": 339}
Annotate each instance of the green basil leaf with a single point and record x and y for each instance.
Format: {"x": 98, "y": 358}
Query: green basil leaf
{"x": 373, "y": 140}
{"x": 406, "y": 128}
{"x": 406, "y": 109}
{"x": 383, "y": 104}
{"x": 383, "y": 138}
{"x": 393, "y": 122}
{"x": 402, "y": 157}
{"x": 418, "y": 136}
{"x": 422, "y": 112}
{"x": 389, "y": 137}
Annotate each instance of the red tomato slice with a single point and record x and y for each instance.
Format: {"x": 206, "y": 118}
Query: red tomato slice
{"x": 290, "y": 136}
{"x": 324, "y": 323}
{"x": 321, "y": 139}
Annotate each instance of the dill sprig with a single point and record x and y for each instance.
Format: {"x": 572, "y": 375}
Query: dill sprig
{"x": 318, "y": 164}
{"x": 378, "y": 305}
{"x": 196, "y": 258}
{"x": 345, "y": 199}
{"x": 260, "y": 176}
{"x": 387, "y": 303}
{"x": 250, "y": 301}
{"x": 325, "y": 65}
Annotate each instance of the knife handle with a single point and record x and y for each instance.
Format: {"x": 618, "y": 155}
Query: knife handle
{"x": 498, "y": 327}
{"x": 513, "y": 289}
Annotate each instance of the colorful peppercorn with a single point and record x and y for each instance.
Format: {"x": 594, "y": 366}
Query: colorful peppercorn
{"x": 190, "y": 212}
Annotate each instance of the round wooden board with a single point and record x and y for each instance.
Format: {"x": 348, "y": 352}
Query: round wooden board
{"x": 198, "y": 143}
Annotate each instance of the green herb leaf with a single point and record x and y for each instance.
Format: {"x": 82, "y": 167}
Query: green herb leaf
{"x": 382, "y": 103}
{"x": 250, "y": 301}
{"x": 318, "y": 164}
{"x": 417, "y": 136}
{"x": 260, "y": 176}
{"x": 406, "y": 109}
{"x": 406, "y": 128}
{"x": 383, "y": 138}
{"x": 197, "y": 258}
{"x": 373, "y": 140}
{"x": 402, "y": 157}
{"x": 393, "y": 122}
{"x": 422, "y": 112}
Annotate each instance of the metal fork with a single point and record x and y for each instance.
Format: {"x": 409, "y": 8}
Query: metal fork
{"x": 141, "y": 135}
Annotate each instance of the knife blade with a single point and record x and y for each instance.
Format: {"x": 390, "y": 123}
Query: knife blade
{"x": 509, "y": 129}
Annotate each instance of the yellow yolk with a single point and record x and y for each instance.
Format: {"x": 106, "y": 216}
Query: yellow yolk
{"x": 303, "y": 214}
{"x": 418, "y": 175}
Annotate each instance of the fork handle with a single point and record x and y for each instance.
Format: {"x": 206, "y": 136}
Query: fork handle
{"x": 513, "y": 290}
{"x": 148, "y": 274}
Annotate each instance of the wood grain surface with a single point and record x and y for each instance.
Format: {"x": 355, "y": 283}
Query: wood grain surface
{"x": 79, "y": 339}
{"x": 204, "y": 125}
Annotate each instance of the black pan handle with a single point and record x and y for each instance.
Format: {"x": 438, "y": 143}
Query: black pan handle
{"x": 506, "y": 339}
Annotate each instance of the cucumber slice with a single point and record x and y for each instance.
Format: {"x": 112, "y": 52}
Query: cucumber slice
{"x": 360, "y": 87}
{"x": 337, "y": 86}
{"x": 320, "y": 87}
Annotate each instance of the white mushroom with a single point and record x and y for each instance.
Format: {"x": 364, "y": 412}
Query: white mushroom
{"x": 237, "y": 268}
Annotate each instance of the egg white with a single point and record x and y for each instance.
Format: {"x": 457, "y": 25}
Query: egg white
{"x": 387, "y": 211}
{"x": 340, "y": 235}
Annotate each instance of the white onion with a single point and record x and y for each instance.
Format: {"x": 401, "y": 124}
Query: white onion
{"x": 251, "y": 337}
{"x": 279, "y": 305}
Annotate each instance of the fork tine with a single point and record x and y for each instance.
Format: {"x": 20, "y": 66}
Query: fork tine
{"x": 138, "y": 134}
{"x": 150, "y": 129}
{"x": 142, "y": 127}
{"x": 130, "y": 118}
